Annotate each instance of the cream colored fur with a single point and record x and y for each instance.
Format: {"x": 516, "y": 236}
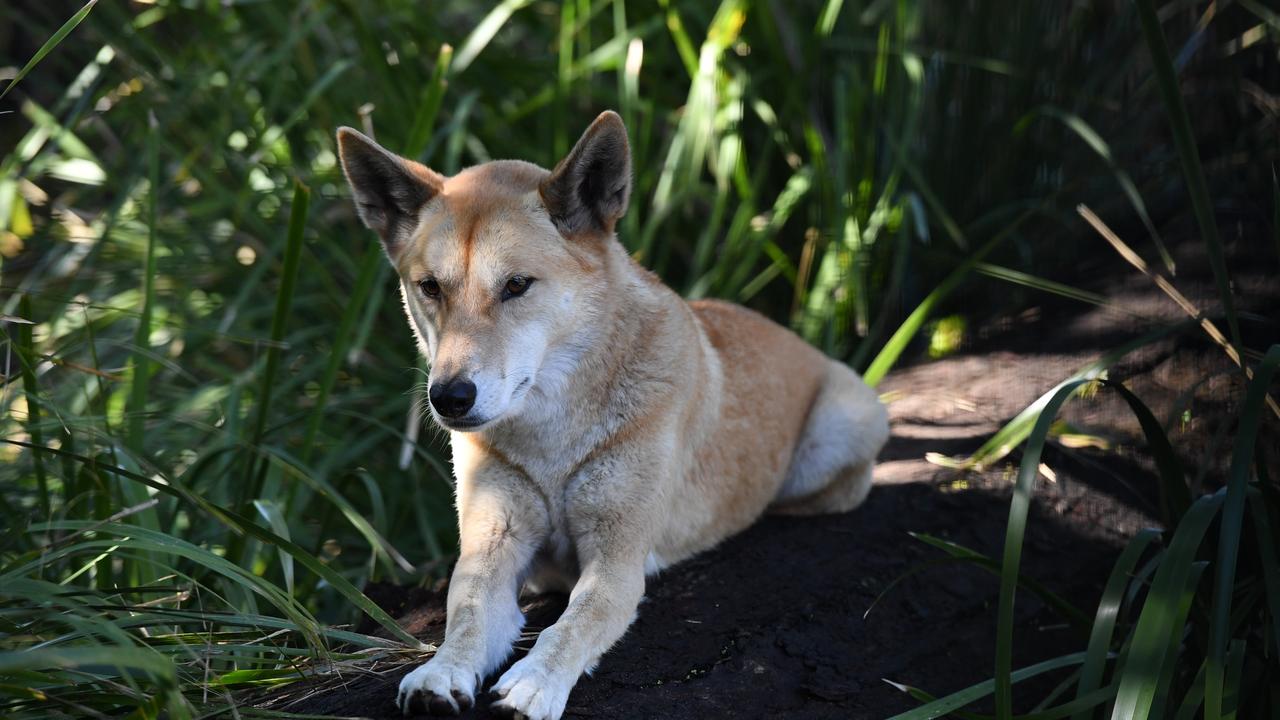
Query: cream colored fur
{"x": 622, "y": 428}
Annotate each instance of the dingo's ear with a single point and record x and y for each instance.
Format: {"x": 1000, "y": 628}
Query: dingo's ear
{"x": 389, "y": 190}
{"x": 588, "y": 190}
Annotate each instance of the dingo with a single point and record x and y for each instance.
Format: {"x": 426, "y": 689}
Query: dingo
{"x": 602, "y": 428}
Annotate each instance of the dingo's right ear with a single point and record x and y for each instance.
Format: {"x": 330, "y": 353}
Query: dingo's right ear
{"x": 589, "y": 189}
{"x": 389, "y": 190}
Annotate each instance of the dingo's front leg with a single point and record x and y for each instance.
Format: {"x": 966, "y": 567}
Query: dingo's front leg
{"x": 500, "y": 530}
{"x": 611, "y": 528}
{"x": 601, "y": 607}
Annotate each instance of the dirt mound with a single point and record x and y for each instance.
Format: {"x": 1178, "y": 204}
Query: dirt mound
{"x": 772, "y": 622}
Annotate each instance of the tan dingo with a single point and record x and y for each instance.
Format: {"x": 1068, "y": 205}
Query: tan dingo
{"x": 602, "y": 428}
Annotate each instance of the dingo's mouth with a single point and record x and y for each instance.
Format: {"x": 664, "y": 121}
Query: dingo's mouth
{"x": 462, "y": 424}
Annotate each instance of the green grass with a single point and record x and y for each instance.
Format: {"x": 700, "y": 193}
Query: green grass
{"x": 208, "y": 441}
{"x": 1158, "y": 662}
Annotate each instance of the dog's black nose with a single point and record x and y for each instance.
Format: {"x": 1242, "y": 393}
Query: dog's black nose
{"x": 453, "y": 398}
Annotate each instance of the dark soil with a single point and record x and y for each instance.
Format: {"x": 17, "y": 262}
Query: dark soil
{"x": 783, "y": 620}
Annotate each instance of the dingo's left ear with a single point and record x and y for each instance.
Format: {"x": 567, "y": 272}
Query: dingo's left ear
{"x": 389, "y": 190}
{"x": 589, "y": 189}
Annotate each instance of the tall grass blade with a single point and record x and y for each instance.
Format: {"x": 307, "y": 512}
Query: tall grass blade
{"x": 484, "y": 32}
{"x": 1177, "y": 630}
{"x": 684, "y": 45}
{"x": 270, "y": 511}
{"x": 1016, "y": 430}
{"x": 757, "y": 241}
{"x": 381, "y": 548}
{"x": 424, "y": 121}
{"x": 1175, "y": 496}
{"x": 1159, "y": 629}
{"x": 897, "y": 277}
{"x": 564, "y": 69}
{"x": 1232, "y": 351}
{"x": 897, "y": 343}
{"x": 142, "y": 337}
{"x": 284, "y": 300}
{"x": 1103, "y": 150}
{"x": 1104, "y": 623}
{"x": 1275, "y": 209}
{"x": 1079, "y": 705}
{"x": 930, "y": 197}
{"x": 1014, "y": 532}
{"x": 1270, "y": 17}
{"x": 1018, "y": 277}
{"x": 50, "y": 44}
{"x": 955, "y": 701}
{"x": 1193, "y": 172}
{"x": 27, "y": 361}
{"x": 1268, "y": 542}
{"x": 827, "y": 20}
{"x": 1235, "y": 669}
{"x": 1193, "y": 699}
{"x": 1055, "y": 601}
{"x": 337, "y": 351}
{"x": 1242, "y": 457}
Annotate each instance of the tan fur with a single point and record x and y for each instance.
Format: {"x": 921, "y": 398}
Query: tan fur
{"x": 649, "y": 429}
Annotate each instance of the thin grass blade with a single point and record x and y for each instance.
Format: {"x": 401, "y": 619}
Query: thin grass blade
{"x": 1267, "y": 544}
{"x": 955, "y": 701}
{"x": 1193, "y": 172}
{"x": 1014, "y": 532}
{"x": 284, "y": 300}
{"x": 270, "y": 511}
{"x": 1158, "y": 630}
{"x": 1175, "y": 496}
{"x": 138, "y": 386}
{"x": 338, "y": 350}
{"x": 1050, "y": 598}
{"x": 1016, "y": 430}
{"x": 1232, "y": 526}
{"x": 1177, "y": 631}
{"x": 27, "y": 358}
{"x": 897, "y": 343}
{"x": 1104, "y": 623}
{"x": 1103, "y": 150}
{"x": 1192, "y": 700}
{"x": 424, "y": 121}
{"x": 484, "y": 32}
{"x": 50, "y": 44}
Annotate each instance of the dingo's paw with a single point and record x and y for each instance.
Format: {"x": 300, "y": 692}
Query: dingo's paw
{"x": 529, "y": 692}
{"x": 439, "y": 687}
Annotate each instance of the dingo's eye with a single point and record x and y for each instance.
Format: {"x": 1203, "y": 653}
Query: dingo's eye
{"x": 430, "y": 288}
{"x": 516, "y": 286}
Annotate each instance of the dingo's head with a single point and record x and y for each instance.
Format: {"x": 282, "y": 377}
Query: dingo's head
{"x": 500, "y": 265}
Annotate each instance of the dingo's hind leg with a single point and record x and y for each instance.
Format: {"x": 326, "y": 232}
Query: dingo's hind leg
{"x": 831, "y": 467}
